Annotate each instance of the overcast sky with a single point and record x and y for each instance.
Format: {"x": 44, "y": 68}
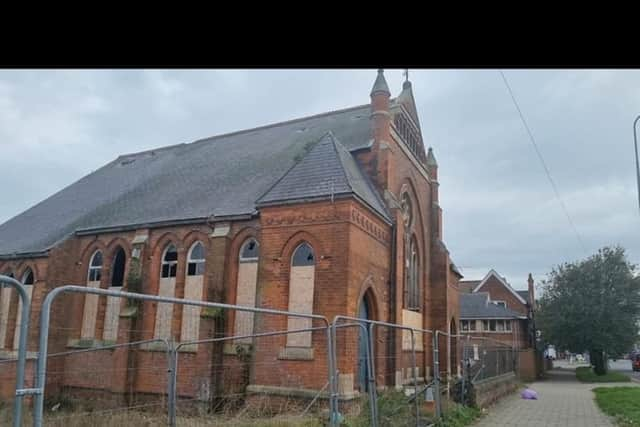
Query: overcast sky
{"x": 499, "y": 209}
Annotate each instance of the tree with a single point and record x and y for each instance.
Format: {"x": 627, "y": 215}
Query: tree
{"x": 593, "y": 305}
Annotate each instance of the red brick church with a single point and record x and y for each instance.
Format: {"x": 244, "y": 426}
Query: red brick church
{"x": 333, "y": 214}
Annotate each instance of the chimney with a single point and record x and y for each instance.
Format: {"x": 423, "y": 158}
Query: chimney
{"x": 532, "y": 299}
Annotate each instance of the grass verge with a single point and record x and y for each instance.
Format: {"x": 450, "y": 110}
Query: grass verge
{"x": 621, "y": 403}
{"x": 586, "y": 375}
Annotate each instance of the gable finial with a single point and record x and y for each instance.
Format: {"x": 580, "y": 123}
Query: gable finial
{"x": 406, "y": 74}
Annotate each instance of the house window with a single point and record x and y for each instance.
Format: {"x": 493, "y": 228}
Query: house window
{"x": 413, "y": 274}
{"x": 501, "y": 303}
{"x": 507, "y": 325}
{"x": 95, "y": 267}
{"x": 246, "y": 288}
{"x": 195, "y": 266}
{"x": 468, "y": 325}
{"x": 169, "y": 262}
{"x": 301, "y": 288}
{"x": 489, "y": 325}
{"x": 500, "y": 325}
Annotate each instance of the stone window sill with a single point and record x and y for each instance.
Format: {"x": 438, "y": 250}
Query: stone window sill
{"x": 232, "y": 349}
{"x": 13, "y": 354}
{"x": 89, "y": 343}
{"x": 296, "y": 353}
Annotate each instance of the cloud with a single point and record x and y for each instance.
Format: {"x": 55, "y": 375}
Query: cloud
{"x": 499, "y": 208}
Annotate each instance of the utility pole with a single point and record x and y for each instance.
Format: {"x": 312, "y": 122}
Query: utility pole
{"x": 635, "y": 144}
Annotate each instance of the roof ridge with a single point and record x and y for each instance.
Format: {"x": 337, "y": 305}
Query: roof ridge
{"x": 239, "y": 132}
{"x": 336, "y": 142}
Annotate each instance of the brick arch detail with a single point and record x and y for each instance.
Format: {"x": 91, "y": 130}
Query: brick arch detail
{"x": 298, "y": 238}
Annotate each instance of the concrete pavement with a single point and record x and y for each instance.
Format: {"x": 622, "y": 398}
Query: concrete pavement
{"x": 562, "y": 401}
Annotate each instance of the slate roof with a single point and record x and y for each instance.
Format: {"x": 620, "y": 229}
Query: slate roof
{"x": 524, "y": 295}
{"x": 467, "y": 286}
{"x": 478, "y": 306}
{"x": 327, "y": 170}
{"x": 223, "y": 176}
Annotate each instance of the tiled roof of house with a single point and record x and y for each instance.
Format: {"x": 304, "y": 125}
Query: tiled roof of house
{"x": 478, "y": 306}
{"x": 524, "y": 295}
{"x": 218, "y": 176}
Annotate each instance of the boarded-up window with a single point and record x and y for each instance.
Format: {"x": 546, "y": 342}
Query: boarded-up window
{"x": 246, "y": 288}
{"x": 301, "y": 288}
{"x": 193, "y": 287}
{"x": 166, "y": 288}
{"x": 5, "y": 304}
{"x": 28, "y": 281}
{"x": 113, "y": 303}
{"x": 91, "y": 301}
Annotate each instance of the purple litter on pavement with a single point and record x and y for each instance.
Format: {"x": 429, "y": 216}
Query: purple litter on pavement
{"x": 529, "y": 394}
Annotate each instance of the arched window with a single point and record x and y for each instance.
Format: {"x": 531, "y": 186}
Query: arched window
{"x": 303, "y": 256}
{"x": 195, "y": 266}
{"x": 27, "y": 277}
{"x": 28, "y": 281}
{"x": 166, "y": 288}
{"x": 407, "y": 210}
{"x": 169, "y": 262}
{"x": 90, "y": 311}
{"x": 301, "y": 288}
{"x": 193, "y": 290}
{"x": 246, "y": 287}
{"x": 117, "y": 269}
{"x": 112, "y": 312}
{"x": 95, "y": 267}
{"x": 413, "y": 276}
{"x": 250, "y": 251}
{"x": 5, "y": 304}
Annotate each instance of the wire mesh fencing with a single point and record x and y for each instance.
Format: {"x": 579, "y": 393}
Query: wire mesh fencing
{"x": 269, "y": 374}
{"x": 485, "y": 358}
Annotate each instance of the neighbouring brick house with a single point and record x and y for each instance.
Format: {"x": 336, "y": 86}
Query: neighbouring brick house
{"x": 492, "y": 308}
{"x": 335, "y": 213}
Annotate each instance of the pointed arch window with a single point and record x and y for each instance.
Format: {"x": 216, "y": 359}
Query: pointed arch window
{"x": 112, "y": 311}
{"x": 169, "y": 262}
{"x": 301, "y": 289}
{"x": 90, "y": 310}
{"x": 246, "y": 287}
{"x": 166, "y": 288}
{"x": 195, "y": 265}
{"x": 250, "y": 251}
{"x": 193, "y": 290}
{"x": 27, "y": 280}
{"x": 5, "y": 304}
{"x": 413, "y": 276}
{"x": 95, "y": 267}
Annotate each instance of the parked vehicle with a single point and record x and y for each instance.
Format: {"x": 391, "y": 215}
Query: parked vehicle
{"x": 550, "y": 352}
{"x": 635, "y": 362}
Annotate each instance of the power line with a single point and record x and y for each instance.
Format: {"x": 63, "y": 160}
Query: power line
{"x": 544, "y": 164}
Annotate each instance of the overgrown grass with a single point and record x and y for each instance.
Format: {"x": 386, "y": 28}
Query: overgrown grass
{"x": 621, "y": 403}
{"x": 140, "y": 419}
{"x": 395, "y": 410}
{"x": 586, "y": 375}
{"x": 458, "y": 416}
